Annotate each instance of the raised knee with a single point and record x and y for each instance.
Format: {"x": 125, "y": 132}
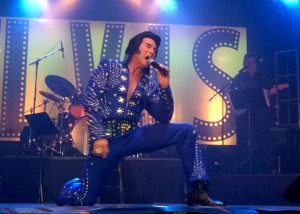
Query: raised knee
{"x": 188, "y": 127}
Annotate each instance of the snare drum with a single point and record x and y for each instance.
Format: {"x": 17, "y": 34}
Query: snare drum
{"x": 80, "y": 136}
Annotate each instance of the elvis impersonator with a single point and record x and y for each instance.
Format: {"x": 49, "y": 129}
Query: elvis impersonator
{"x": 115, "y": 97}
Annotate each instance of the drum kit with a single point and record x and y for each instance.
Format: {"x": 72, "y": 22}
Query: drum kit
{"x": 72, "y": 137}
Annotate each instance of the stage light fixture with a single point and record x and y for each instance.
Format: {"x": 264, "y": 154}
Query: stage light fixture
{"x": 137, "y": 3}
{"x": 168, "y": 5}
{"x": 67, "y": 4}
{"x": 295, "y": 4}
{"x": 34, "y": 6}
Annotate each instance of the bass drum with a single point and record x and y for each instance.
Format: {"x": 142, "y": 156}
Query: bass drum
{"x": 80, "y": 136}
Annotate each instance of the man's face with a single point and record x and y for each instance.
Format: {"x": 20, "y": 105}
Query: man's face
{"x": 147, "y": 49}
{"x": 251, "y": 65}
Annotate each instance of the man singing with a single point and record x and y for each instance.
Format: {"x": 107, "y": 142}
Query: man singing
{"x": 115, "y": 97}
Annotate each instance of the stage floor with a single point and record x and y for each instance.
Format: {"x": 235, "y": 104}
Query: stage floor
{"x": 144, "y": 208}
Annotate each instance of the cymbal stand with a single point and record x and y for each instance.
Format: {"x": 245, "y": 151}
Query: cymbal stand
{"x": 45, "y": 104}
{"x": 61, "y": 111}
{"x": 60, "y": 123}
{"x": 42, "y": 104}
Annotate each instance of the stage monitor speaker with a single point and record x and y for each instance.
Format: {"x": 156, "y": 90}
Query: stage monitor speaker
{"x": 292, "y": 192}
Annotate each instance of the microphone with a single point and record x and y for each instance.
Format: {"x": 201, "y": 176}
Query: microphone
{"x": 62, "y": 49}
{"x": 243, "y": 69}
{"x": 154, "y": 64}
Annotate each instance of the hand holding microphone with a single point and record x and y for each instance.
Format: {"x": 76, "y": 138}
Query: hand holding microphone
{"x": 154, "y": 64}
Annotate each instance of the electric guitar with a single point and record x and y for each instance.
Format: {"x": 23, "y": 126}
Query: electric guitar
{"x": 267, "y": 93}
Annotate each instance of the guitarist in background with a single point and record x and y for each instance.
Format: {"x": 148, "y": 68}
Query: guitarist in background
{"x": 247, "y": 91}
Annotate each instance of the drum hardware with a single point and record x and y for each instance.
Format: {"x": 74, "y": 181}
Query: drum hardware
{"x": 28, "y": 137}
{"x": 60, "y": 86}
{"x": 28, "y": 145}
{"x": 50, "y": 96}
{"x": 59, "y": 102}
{"x": 60, "y": 130}
{"x": 70, "y": 137}
{"x": 65, "y": 89}
{"x": 74, "y": 136}
{"x": 45, "y": 102}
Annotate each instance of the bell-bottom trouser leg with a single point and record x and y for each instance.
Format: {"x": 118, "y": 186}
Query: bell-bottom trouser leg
{"x": 146, "y": 138}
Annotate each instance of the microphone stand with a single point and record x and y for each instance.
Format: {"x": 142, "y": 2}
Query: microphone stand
{"x": 222, "y": 90}
{"x": 219, "y": 92}
{"x": 36, "y": 63}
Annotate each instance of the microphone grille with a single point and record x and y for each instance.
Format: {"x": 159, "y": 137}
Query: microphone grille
{"x": 149, "y": 60}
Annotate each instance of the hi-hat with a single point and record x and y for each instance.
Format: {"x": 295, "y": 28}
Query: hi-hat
{"x": 60, "y": 86}
{"x": 50, "y": 96}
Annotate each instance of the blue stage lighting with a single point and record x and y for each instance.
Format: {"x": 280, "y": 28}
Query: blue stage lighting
{"x": 33, "y": 6}
{"x": 168, "y": 5}
{"x": 292, "y": 3}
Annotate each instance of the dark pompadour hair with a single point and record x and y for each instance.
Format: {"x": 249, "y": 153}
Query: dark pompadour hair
{"x": 135, "y": 42}
{"x": 250, "y": 55}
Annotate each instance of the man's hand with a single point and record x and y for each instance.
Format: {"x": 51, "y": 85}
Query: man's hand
{"x": 100, "y": 148}
{"x": 273, "y": 90}
{"x": 163, "y": 81}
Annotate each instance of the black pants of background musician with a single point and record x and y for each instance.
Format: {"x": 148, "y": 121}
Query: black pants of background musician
{"x": 259, "y": 147}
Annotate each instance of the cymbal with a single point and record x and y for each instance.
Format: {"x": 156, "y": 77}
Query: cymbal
{"x": 60, "y": 86}
{"x": 50, "y": 96}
